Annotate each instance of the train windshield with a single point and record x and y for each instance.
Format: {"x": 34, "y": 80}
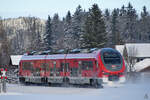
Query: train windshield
{"x": 111, "y": 58}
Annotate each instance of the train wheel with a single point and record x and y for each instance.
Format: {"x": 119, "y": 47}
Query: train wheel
{"x": 49, "y": 84}
{"x": 94, "y": 83}
{"x": 66, "y": 82}
{"x": 21, "y": 80}
{"x": 27, "y": 83}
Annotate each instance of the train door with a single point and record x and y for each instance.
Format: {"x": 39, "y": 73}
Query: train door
{"x": 54, "y": 68}
{"x": 44, "y": 68}
{"x": 87, "y": 68}
{"x": 74, "y": 68}
{"x": 79, "y": 68}
{"x": 97, "y": 69}
{"x": 66, "y": 69}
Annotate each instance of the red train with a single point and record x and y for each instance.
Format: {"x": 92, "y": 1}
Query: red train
{"x": 94, "y": 68}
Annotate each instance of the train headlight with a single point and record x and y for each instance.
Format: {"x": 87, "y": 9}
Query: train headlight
{"x": 105, "y": 79}
{"x": 122, "y": 79}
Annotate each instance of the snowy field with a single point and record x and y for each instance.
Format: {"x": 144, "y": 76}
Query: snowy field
{"x": 128, "y": 91}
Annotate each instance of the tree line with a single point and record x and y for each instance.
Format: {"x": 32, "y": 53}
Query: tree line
{"x": 97, "y": 29}
{"x": 82, "y": 29}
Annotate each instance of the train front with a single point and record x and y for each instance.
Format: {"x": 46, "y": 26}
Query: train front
{"x": 112, "y": 66}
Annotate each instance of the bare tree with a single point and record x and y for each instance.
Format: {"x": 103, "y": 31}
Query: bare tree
{"x": 130, "y": 53}
{"x": 33, "y": 33}
{"x": 4, "y": 46}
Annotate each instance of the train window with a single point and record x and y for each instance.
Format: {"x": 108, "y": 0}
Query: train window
{"x": 51, "y": 71}
{"x": 56, "y": 69}
{"x": 80, "y": 66}
{"x": 67, "y": 67}
{"x": 0, "y": 73}
{"x": 36, "y": 71}
{"x": 27, "y": 65}
{"x": 111, "y": 58}
{"x": 87, "y": 65}
{"x": 112, "y": 61}
{"x": 61, "y": 67}
{"x": 64, "y": 67}
{"x": 96, "y": 63}
{"x": 74, "y": 72}
{"x": 111, "y": 55}
{"x": 45, "y": 66}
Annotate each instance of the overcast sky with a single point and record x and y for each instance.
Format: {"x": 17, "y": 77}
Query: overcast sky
{"x": 43, "y": 8}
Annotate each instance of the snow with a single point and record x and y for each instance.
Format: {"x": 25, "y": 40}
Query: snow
{"x": 140, "y": 49}
{"x": 10, "y": 93}
{"x": 120, "y": 48}
{"x": 124, "y": 92}
{"x": 142, "y": 65}
{"x": 59, "y": 56}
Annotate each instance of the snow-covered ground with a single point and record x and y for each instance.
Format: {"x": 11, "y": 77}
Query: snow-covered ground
{"x": 128, "y": 91}
{"x": 142, "y": 65}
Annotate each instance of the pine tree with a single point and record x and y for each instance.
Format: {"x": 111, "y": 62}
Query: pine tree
{"x": 144, "y": 26}
{"x": 48, "y": 34}
{"x": 115, "y": 33}
{"x": 122, "y": 11}
{"x": 68, "y": 31}
{"x": 57, "y": 33}
{"x": 94, "y": 29}
{"x": 107, "y": 14}
{"x": 145, "y": 12}
{"x": 128, "y": 24}
{"x": 68, "y": 18}
{"x": 77, "y": 24}
{"x": 107, "y": 20}
{"x": 131, "y": 23}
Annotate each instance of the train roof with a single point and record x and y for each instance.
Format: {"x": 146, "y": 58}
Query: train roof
{"x": 109, "y": 49}
{"x": 93, "y": 55}
{"x": 59, "y": 56}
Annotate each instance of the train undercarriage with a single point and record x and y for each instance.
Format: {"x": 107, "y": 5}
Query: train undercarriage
{"x": 63, "y": 81}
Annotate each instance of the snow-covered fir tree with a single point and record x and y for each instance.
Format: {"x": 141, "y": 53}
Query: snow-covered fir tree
{"x": 68, "y": 32}
{"x": 114, "y": 28}
{"x": 77, "y": 25}
{"x": 128, "y": 22}
{"x": 57, "y": 33}
{"x": 107, "y": 20}
{"x": 48, "y": 34}
{"x": 94, "y": 29}
{"x": 144, "y": 26}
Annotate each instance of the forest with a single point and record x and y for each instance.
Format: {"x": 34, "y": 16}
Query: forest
{"x": 94, "y": 28}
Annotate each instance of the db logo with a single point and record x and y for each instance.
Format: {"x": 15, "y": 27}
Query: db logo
{"x": 3, "y": 74}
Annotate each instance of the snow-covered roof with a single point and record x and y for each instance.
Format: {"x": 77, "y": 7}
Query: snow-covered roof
{"x": 142, "y": 65}
{"x": 120, "y": 48}
{"x": 15, "y": 59}
{"x": 138, "y": 49}
{"x": 59, "y": 56}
